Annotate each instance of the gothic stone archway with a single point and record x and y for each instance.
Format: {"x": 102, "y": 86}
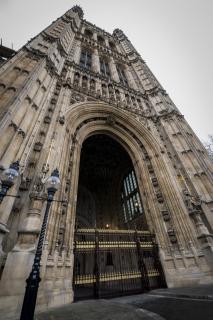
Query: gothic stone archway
{"x": 166, "y": 213}
{"x": 160, "y": 195}
{"x": 108, "y": 194}
{"x": 114, "y": 251}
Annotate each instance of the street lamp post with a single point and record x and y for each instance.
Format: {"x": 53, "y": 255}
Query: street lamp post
{"x": 29, "y": 303}
{"x": 8, "y": 178}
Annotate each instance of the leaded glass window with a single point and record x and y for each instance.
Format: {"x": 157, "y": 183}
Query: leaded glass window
{"x": 104, "y": 67}
{"x": 86, "y": 59}
{"x": 122, "y": 75}
{"x": 130, "y": 197}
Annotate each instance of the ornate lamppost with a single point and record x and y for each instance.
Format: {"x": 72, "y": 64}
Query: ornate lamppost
{"x": 8, "y": 179}
{"x": 29, "y": 303}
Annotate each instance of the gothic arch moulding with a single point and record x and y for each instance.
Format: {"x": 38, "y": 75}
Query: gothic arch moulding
{"x": 149, "y": 162}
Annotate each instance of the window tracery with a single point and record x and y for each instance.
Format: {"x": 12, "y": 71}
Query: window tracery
{"x": 86, "y": 59}
{"x": 112, "y": 45}
{"x": 92, "y": 85}
{"x": 88, "y": 33}
{"x": 100, "y": 40}
{"x": 122, "y": 75}
{"x": 131, "y": 202}
{"x": 84, "y": 82}
{"x": 104, "y": 67}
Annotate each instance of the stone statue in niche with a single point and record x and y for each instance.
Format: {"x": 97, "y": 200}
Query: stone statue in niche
{"x": 196, "y": 203}
{"x": 45, "y": 168}
{"x": 38, "y": 186}
{"x": 192, "y": 203}
{"x": 98, "y": 94}
{"x": 25, "y": 183}
{"x": 110, "y": 120}
{"x": 76, "y": 98}
{"x": 84, "y": 83}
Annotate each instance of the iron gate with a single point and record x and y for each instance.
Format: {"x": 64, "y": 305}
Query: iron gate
{"x": 115, "y": 262}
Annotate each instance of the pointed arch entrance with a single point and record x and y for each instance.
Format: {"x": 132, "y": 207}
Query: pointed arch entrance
{"x": 114, "y": 252}
{"x": 108, "y": 193}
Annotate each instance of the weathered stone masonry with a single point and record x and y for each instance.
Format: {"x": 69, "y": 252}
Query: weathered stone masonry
{"x": 49, "y": 104}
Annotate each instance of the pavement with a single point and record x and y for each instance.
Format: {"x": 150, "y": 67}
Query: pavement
{"x": 98, "y": 310}
{"x": 199, "y": 292}
{"x": 161, "y": 304}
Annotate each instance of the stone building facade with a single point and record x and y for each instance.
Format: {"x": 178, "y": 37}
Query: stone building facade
{"x": 71, "y": 83}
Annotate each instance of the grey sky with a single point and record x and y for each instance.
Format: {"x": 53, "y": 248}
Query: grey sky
{"x": 174, "y": 37}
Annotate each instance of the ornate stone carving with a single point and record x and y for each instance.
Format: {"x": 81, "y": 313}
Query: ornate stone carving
{"x": 110, "y": 120}
{"x": 38, "y": 186}
{"x": 13, "y": 125}
{"x": 25, "y": 183}
{"x": 38, "y": 146}
{"x": 76, "y": 98}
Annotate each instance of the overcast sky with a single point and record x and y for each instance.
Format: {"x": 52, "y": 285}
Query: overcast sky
{"x": 174, "y": 37}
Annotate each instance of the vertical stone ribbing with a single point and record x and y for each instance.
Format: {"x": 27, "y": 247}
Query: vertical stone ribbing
{"x": 49, "y": 104}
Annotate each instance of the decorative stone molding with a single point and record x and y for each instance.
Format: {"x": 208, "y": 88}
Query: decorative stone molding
{"x": 110, "y": 120}
{"x": 61, "y": 120}
{"x": 38, "y": 146}
{"x": 78, "y": 10}
{"x": 13, "y": 125}
{"x": 166, "y": 215}
{"x": 47, "y": 119}
{"x": 21, "y": 132}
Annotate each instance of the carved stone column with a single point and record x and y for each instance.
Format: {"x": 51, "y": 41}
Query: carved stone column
{"x": 77, "y": 53}
{"x": 113, "y": 70}
{"x": 130, "y": 79}
{"x": 95, "y": 61}
{"x": 5, "y": 211}
{"x": 95, "y": 36}
{"x": 13, "y": 283}
{"x": 106, "y": 42}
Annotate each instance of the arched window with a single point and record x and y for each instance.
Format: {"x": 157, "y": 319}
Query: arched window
{"x": 86, "y": 59}
{"x": 76, "y": 79}
{"x": 92, "y": 85}
{"x": 127, "y": 98}
{"x": 88, "y": 34}
{"x": 110, "y": 88}
{"x": 118, "y": 96}
{"x": 104, "y": 67}
{"x": 104, "y": 89}
{"x": 131, "y": 201}
{"x": 139, "y": 103}
{"x": 84, "y": 82}
{"x": 133, "y": 101}
{"x": 122, "y": 75}
{"x": 112, "y": 45}
{"x": 100, "y": 40}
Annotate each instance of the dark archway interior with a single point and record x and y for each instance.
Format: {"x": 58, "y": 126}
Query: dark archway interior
{"x": 104, "y": 164}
